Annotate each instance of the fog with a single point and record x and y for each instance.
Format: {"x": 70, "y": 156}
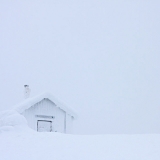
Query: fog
{"x": 102, "y": 58}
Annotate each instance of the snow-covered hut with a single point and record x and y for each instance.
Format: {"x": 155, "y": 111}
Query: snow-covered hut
{"x": 44, "y": 113}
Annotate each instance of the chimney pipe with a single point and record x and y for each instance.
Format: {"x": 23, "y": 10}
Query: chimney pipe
{"x": 26, "y": 91}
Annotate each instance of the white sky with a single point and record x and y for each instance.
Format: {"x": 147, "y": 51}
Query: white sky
{"x": 99, "y": 57}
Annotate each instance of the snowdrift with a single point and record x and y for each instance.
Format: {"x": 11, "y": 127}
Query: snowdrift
{"x": 18, "y": 142}
{"x": 10, "y": 119}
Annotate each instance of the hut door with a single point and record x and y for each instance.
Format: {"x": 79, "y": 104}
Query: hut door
{"x": 44, "y": 126}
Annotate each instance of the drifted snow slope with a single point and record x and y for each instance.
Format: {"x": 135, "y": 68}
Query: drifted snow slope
{"x": 18, "y": 142}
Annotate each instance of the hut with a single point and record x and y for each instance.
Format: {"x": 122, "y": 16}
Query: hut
{"x": 44, "y": 113}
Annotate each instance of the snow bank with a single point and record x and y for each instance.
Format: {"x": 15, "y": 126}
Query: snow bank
{"x": 56, "y": 146}
{"x": 10, "y": 119}
{"x": 26, "y": 144}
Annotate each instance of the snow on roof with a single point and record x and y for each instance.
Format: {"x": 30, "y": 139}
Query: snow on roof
{"x": 27, "y": 103}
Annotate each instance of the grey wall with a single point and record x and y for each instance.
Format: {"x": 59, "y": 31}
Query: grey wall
{"x": 47, "y": 108}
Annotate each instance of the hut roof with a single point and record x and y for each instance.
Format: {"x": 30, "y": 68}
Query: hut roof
{"x": 29, "y": 102}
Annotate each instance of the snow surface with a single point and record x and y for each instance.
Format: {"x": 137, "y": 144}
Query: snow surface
{"x": 18, "y": 142}
{"x": 10, "y": 119}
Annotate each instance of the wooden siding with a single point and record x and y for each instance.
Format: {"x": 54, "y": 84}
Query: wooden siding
{"x": 46, "y": 108}
{"x": 69, "y": 123}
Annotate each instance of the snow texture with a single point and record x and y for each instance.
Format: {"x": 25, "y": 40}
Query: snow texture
{"x": 11, "y": 118}
{"x": 27, "y": 103}
{"x": 25, "y": 144}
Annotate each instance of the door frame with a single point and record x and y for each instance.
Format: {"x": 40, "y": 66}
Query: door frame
{"x": 45, "y": 121}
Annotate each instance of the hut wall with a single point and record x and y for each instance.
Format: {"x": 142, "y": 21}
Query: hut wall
{"x": 44, "y": 110}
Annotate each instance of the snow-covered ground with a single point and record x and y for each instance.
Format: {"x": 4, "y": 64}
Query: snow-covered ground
{"x": 18, "y": 142}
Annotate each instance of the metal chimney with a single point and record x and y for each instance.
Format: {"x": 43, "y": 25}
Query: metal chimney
{"x": 26, "y": 91}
